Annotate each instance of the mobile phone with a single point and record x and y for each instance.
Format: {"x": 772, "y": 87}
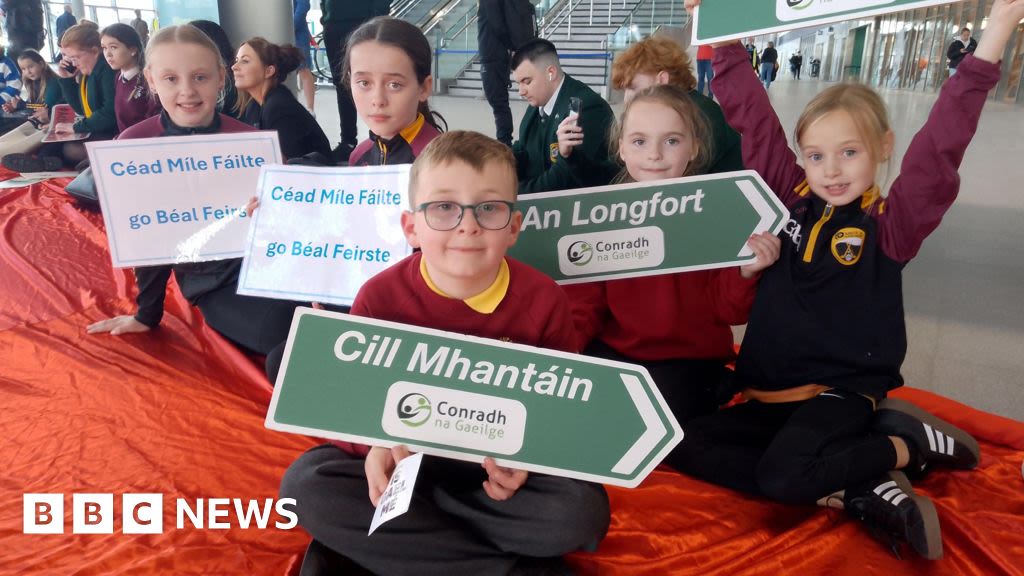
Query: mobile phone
{"x": 575, "y": 107}
{"x": 67, "y": 65}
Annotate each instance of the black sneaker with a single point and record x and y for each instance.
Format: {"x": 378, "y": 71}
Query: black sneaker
{"x": 891, "y": 509}
{"x": 342, "y": 151}
{"x": 29, "y": 163}
{"x": 936, "y": 441}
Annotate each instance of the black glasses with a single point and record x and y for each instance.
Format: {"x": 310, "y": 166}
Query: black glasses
{"x": 444, "y": 216}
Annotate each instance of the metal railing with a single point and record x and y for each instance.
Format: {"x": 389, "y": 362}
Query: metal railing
{"x": 645, "y": 18}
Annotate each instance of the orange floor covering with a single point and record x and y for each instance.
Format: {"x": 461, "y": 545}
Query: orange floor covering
{"x": 178, "y": 411}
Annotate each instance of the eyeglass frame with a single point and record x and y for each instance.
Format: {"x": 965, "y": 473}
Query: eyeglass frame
{"x": 462, "y": 213}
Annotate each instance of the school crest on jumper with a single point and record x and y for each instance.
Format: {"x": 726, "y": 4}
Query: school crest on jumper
{"x": 847, "y": 245}
{"x": 553, "y": 152}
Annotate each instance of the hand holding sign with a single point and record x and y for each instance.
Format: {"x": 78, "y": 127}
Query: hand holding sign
{"x": 502, "y": 483}
{"x": 766, "y": 247}
{"x": 380, "y": 463}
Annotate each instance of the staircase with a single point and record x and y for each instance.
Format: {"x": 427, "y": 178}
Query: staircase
{"x": 581, "y": 36}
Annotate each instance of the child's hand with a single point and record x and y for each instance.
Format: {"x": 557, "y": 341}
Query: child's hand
{"x": 64, "y": 128}
{"x": 118, "y": 325}
{"x": 570, "y": 135}
{"x": 252, "y": 205}
{"x": 380, "y": 463}
{"x": 64, "y": 69}
{"x": 42, "y": 115}
{"x": 502, "y": 483}
{"x": 766, "y": 247}
{"x": 1002, "y": 21}
{"x": 11, "y": 105}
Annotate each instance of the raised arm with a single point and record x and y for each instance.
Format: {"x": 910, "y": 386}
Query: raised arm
{"x": 747, "y": 109}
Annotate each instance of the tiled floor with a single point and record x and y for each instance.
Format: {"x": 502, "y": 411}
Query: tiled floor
{"x": 964, "y": 293}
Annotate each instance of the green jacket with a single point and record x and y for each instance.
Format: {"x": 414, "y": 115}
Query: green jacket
{"x": 100, "y": 90}
{"x": 726, "y": 153}
{"x": 540, "y": 166}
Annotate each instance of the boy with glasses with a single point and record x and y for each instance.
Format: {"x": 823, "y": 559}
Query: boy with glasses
{"x": 465, "y": 518}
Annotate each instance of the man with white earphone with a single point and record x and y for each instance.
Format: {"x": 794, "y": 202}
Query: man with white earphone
{"x": 550, "y": 91}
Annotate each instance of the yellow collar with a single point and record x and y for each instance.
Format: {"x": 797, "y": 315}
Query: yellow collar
{"x": 410, "y": 132}
{"x": 485, "y": 302}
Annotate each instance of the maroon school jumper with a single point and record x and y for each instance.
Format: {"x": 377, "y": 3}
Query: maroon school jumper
{"x": 534, "y": 311}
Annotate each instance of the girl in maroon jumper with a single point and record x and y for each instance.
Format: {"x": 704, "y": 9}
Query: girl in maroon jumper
{"x": 133, "y": 102}
{"x": 676, "y": 325}
{"x": 826, "y": 337}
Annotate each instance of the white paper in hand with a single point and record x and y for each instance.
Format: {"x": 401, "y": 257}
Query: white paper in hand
{"x": 396, "y": 497}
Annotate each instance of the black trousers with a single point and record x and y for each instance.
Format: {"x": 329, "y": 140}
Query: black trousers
{"x": 691, "y": 387}
{"x": 255, "y": 324}
{"x": 452, "y": 526}
{"x": 495, "y": 75}
{"x": 335, "y": 37}
{"x": 794, "y": 452}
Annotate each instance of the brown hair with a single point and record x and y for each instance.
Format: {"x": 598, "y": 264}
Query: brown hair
{"x": 650, "y": 56}
{"x": 473, "y": 148}
{"x": 82, "y": 35}
{"x": 679, "y": 101}
{"x": 862, "y": 104}
{"x": 285, "y": 58}
{"x": 37, "y": 88}
{"x": 407, "y": 38}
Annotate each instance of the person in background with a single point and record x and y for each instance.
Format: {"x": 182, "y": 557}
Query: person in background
{"x": 133, "y": 102}
{"x": 64, "y": 21}
{"x": 704, "y": 72}
{"x": 40, "y": 90}
{"x": 340, "y": 18}
{"x": 302, "y": 41}
{"x": 502, "y": 27}
{"x": 960, "y": 48}
{"x": 769, "y": 63}
{"x": 260, "y": 69}
{"x": 141, "y": 28}
{"x": 10, "y": 78}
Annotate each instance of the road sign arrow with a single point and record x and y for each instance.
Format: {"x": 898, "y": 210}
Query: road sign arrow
{"x": 381, "y": 383}
{"x": 647, "y": 228}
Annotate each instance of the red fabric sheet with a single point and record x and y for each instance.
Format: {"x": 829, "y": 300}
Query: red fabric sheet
{"x": 180, "y": 412}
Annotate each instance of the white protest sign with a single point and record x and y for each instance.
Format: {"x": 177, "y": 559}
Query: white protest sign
{"x": 320, "y": 233}
{"x": 398, "y": 495}
{"x": 179, "y": 198}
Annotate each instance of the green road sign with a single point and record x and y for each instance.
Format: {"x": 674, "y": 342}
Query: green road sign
{"x": 382, "y": 383}
{"x": 718, "y": 20}
{"x": 646, "y": 228}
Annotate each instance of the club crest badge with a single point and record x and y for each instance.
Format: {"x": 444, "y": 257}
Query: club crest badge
{"x": 847, "y": 245}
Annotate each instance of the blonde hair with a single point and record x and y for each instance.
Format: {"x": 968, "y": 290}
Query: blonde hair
{"x": 473, "y": 148}
{"x": 863, "y": 105}
{"x": 651, "y": 56}
{"x": 183, "y": 34}
{"x": 679, "y": 101}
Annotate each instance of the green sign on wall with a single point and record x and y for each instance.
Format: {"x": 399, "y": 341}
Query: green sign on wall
{"x": 646, "y": 228}
{"x": 719, "y": 20}
{"x": 383, "y": 384}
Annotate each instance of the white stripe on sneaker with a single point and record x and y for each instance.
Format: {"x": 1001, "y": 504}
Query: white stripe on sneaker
{"x": 889, "y": 495}
{"x": 940, "y": 439}
{"x": 930, "y": 434}
{"x": 884, "y": 487}
{"x": 896, "y": 501}
{"x": 949, "y": 445}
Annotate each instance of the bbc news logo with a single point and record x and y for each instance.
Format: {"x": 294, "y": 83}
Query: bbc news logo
{"x": 144, "y": 514}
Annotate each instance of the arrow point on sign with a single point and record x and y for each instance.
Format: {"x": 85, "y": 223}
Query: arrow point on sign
{"x": 764, "y": 210}
{"x": 653, "y": 433}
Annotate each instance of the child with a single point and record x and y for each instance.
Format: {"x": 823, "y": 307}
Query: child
{"x": 10, "y": 78}
{"x": 186, "y": 72}
{"x": 387, "y": 63}
{"x": 133, "y": 102}
{"x": 260, "y": 68}
{"x": 40, "y": 90}
{"x": 387, "y": 66}
{"x": 88, "y": 86}
{"x": 228, "y": 103}
{"x": 677, "y": 325}
{"x": 826, "y": 336}
{"x": 465, "y": 518}
{"x": 657, "y": 60}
